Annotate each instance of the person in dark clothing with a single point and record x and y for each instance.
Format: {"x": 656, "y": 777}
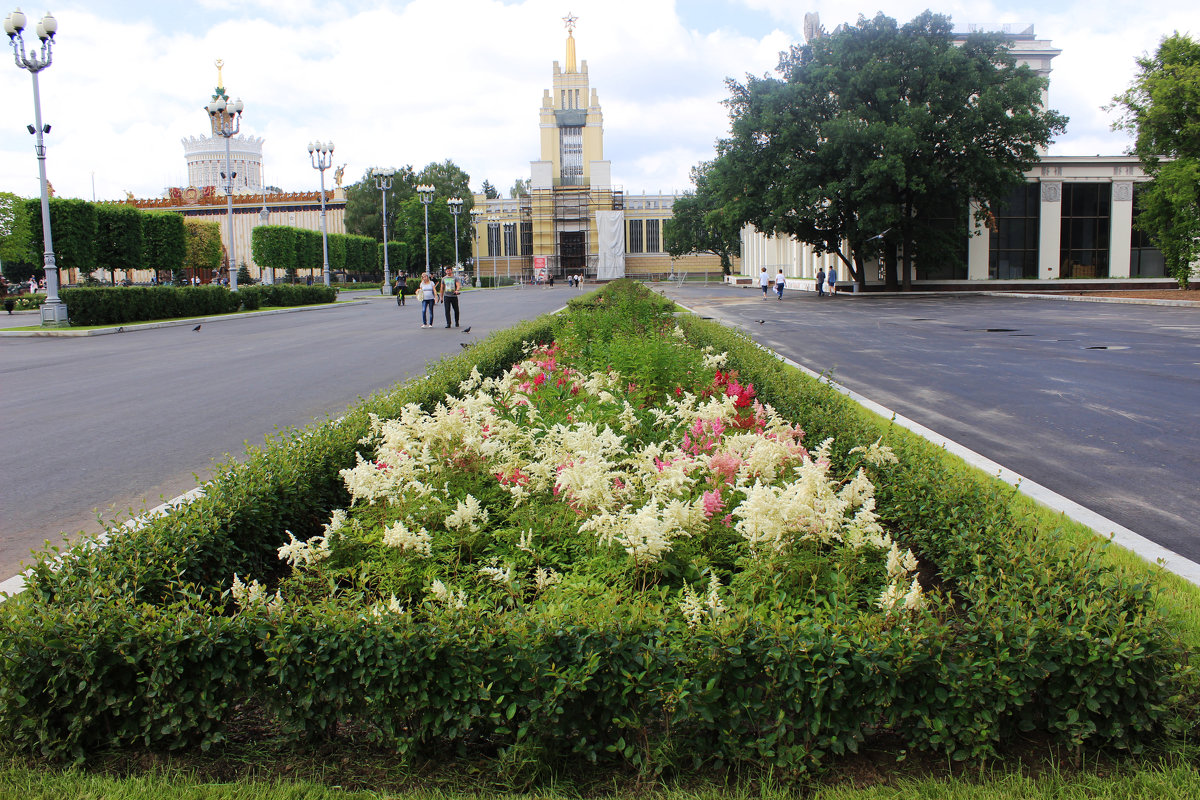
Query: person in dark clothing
{"x": 449, "y": 289}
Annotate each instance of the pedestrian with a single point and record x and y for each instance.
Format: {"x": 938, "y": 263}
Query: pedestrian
{"x": 779, "y": 282}
{"x": 401, "y": 287}
{"x": 832, "y": 277}
{"x": 764, "y": 280}
{"x": 427, "y": 291}
{"x": 450, "y": 287}
{"x": 820, "y": 281}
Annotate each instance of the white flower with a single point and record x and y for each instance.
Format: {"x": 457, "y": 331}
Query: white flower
{"x": 525, "y": 542}
{"x": 545, "y": 578}
{"x": 468, "y": 514}
{"x": 299, "y": 553}
{"x": 715, "y": 607}
{"x": 379, "y": 610}
{"x": 398, "y": 535}
{"x": 691, "y": 605}
{"x": 877, "y": 454}
{"x": 500, "y": 575}
{"x": 447, "y": 597}
{"x": 715, "y": 360}
{"x": 254, "y": 594}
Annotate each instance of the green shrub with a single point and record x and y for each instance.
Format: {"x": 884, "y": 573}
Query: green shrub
{"x": 135, "y": 643}
{"x": 119, "y": 305}
{"x": 286, "y": 294}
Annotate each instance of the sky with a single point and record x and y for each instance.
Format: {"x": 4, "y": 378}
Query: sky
{"x": 395, "y": 83}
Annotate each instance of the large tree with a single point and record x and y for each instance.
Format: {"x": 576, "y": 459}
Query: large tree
{"x": 119, "y": 240}
{"x": 15, "y": 256}
{"x": 364, "y": 202}
{"x": 1162, "y": 109}
{"x": 708, "y": 219}
{"x": 871, "y": 134}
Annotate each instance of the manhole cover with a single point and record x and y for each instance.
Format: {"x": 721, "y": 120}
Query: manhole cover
{"x": 993, "y": 330}
{"x": 1106, "y": 347}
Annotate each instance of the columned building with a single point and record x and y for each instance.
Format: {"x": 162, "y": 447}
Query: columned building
{"x": 206, "y": 155}
{"x": 575, "y": 220}
{"x": 1072, "y": 219}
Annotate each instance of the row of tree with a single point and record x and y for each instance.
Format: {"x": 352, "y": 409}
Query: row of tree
{"x": 875, "y": 141}
{"x": 111, "y": 237}
{"x": 293, "y": 250}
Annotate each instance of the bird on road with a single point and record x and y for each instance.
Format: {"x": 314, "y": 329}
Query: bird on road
{"x": 467, "y": 329}
{"x": 760, "y": 321}
{"x": 197, "y": 327}
{"x": 121, "y": 329}
{"x": 466, "y": 345}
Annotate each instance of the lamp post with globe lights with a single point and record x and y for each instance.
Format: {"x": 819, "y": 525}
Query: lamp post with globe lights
{"x": 456, "y": 205}
{"x": 383, "y": 181}
{"x": 227, "y": 121}
{"x": 54, "y": 311}
{"x": 425, "y": 192}
{"x": 321, "y": 154}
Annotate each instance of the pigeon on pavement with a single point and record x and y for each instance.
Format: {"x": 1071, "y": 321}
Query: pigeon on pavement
{"x": 197, "y": 327}
{"x": 467, "y": 329}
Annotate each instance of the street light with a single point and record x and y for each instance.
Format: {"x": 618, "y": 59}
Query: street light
{"x": 321, "y": 154}
{"x": 456, "y": 205}
{"x": 54, "y": 312}
{"x": 227, "y": 121}
{"x": 425, "y": 191}
{"x": 383, "y": 181}
{"x": 475, "y": 217}
{"x": 494, "y": 222}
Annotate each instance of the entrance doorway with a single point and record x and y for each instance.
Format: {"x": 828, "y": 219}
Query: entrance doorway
{"x": 572, "y": 250}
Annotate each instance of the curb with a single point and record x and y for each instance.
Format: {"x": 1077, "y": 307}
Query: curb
{"x": 1075, "y": 298}
{"x": 149, "y": 326}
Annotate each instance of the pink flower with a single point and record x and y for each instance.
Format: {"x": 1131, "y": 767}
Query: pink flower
{"x": 712, "y": 503}
{"x": 540, "y": 379}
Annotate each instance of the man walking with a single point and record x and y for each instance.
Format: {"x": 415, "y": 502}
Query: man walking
{"x": 820, "y": 281}
{"x": 764, "y": 280}
{"x": 449, "y": 288}
{"x": 779, "y": 282}
{"x": 832, "y": 281}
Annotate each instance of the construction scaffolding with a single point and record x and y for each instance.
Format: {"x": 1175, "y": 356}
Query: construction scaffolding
{"x": 562, "y": 227}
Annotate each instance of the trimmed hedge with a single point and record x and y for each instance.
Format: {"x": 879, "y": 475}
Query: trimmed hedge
{"x": 130, "y": 644}
{"x": 119, "y": 305}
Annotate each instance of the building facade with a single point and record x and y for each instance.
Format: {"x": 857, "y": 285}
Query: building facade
{"x": 575, "y": 220}
{"x": 1072, "y": 219}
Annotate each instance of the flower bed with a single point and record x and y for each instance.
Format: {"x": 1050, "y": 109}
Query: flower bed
{"x": 614, "y": 547}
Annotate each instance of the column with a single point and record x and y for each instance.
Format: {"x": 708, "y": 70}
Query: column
{"x": 978, "y": 247}
{"x": 1120, "y": 226}
{"x": 1050, "y": 234}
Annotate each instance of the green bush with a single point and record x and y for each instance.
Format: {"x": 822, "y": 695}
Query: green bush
{"x": 119, "y": 305}
{"x": 286, "y": 294}
{"x": 25, "y": 302}
{"x": 134, "y": 643}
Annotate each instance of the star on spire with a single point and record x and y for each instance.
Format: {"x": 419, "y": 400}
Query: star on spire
{"x": 570, "y": 20}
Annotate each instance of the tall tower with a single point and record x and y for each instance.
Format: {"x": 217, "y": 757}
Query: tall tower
{"x": 571, "y": 184}
{"x": 206, "y": 155}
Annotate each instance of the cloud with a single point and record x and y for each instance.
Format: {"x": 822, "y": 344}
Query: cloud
{"x": 396, "y": 83}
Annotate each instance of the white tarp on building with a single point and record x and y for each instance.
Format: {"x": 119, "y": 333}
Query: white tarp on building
{"x": 610, "y": 227}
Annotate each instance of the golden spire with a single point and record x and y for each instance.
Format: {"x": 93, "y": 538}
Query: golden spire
{"x": 570, "y": 20}
{"x": 220, "y": 83}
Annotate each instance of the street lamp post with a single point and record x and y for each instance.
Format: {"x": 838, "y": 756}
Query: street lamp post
{"x": 227, "y": 121}
{"x": 475, "y": 215}
{"x": 383, "y": 181}
{"x": 425, "y": 192}
{"x": 494, "y": 222}
{"x": 321, "y": 154}
{"x": 456, "y": 205}
{"x": 54, "y": 312}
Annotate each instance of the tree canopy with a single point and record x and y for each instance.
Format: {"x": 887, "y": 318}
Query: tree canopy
{"x": 1162, "y": 109}
{"x": 15, "y": 234}
{"x": 871, "y": 134}
{"x": 706, "y": 220}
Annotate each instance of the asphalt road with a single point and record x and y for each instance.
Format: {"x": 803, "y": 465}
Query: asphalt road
{"x": 107, "y": 424}
{"x": 1095, "y": 401}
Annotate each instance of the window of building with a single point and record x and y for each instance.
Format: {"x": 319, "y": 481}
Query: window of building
{"x": 526, "y": 238}
{"x": 493, "y": 239}
{"x": 510, "y": 239}
{"x": 943, "y": 256}
{"x": 1013, "y": 242}
{"x": 570, "y": 140}
{"x": 635, "y": 236}
{"x": 1145, "y": 260}
{"x": 652, "y": 240}
{"x": 1083, "y": 249}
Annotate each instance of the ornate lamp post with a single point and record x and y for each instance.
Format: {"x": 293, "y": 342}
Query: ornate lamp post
{"x": 54, "y": 312}
{"x": 425, "y": 192}
{"x": 383, "y": 182}
{"x": 456, "y": 205}
{"x": 227, "y": 121}
{"x": 475, "y": 217}
{"x": 321, "y": 154}
{"x": 494, "y": 222}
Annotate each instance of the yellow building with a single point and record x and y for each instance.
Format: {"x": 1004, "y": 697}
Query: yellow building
{"x": 575, "y": 221}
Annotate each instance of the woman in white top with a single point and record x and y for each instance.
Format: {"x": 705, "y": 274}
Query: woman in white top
{"x": 427, "y": 292}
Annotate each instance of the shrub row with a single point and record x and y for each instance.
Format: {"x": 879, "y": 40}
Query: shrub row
{"x": 119, "y": 305}
{"x": 130, "y": 644}
{"x": 24, "y": 302}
